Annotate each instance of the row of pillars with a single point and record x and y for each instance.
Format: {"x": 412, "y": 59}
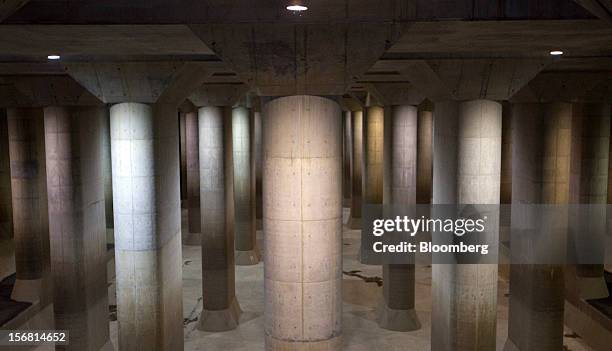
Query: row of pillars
{"x": 396, "y": 153}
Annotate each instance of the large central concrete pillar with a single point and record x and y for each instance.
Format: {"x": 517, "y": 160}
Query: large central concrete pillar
{"x": 396, "y": 311}
{"x": 303, "y": 223}
{"x": 193, "y": 179}
{"x": 467, "y": 163}
{"x": 77, "y": 225}
{"x": 356, "y": 169}
{"x": 144, "y": 142}
{"x": 7, "y": 249}
{"x": 544, "y": 142}
{"x": 221, "y": 310}
{"x": 247, "y": 252}
{"x": 29, "y": 202}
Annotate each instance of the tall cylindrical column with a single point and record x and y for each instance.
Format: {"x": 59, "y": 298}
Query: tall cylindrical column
{"x": 247, "y": 252}
{"x": 303, "y": 223}
{"x": 29, "y": 202}
{"x": 373, "y": 160}
{"x": 107, "y": 169}
{"x": 144, "y": 143}
{"x": 424, "y": 156}
{"x": 591, "y": 283}
{"x": 221, "y": 310}
{"x": 193, "y": 236}
{"x": 183, "y": 160}
{"x": 356, "y": 169}
{"x": 77, "y": 224}
{"x": 543, "y": 138}
{"x": 347, "y": 149}
{"x": 396, "y": 311}
{"x": 7, "y": 248}
{"x": 257, "y": 135}
{"x": 465, "y": 295}
{"x": 373, "y": 127}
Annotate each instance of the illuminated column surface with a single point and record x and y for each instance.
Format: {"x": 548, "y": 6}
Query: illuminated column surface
{"x": 145, "y": 157}
{"x": 467, "y": 166}
{"x": 347, "y": 149}
{"x": 302, "y": 223}
{"x": 221, "y": 310}
{"x": 77, "y": 225}
{"x": 193, "y": 179}
{"x": 247, "y": 252}
{"x": 29, "y": 202}
{"x": 357, "y": 162}
{"x": 396, "y": 311}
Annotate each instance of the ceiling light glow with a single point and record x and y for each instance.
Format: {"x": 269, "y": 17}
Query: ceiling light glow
{"x": 556, "y": 52}
{"x": 53, "y": 57}
{"x": 297, "y": 8}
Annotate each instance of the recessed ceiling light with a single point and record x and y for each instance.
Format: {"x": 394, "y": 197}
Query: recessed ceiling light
{"x": 556, "y": 52}
{"x": 54, "y": 57}
{"x": 297, "y": 8}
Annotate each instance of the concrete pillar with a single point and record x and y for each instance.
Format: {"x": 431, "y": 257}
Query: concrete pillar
{"x": 303, "y": 223}
{"x": 396, "y": 311}
{"x": 7, "y": 248}
{"x": 591, "y": 283}
{"x": 257, "y": 135}
{"x": 77, "y": 224}
{"x": 29, "y": 202}
{"x": 144, "y": 143}
{"x": 424, "y": 157}
{"x": 347, "y": 148}
{"x": 356, "y": 169}
{"x": 183, "y": 154}
{"x": 373, "y": 127}
{"x": 221, "y": 310}
{"x": 107, "y": 169}
{"x": 193, "y": 237}
{"x": 467, "y": 163}
{"x": 544, "y": 142}
{"x": 247, "y": 252}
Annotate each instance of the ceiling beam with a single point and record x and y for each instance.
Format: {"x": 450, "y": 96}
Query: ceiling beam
{"x": 599, "y": 8}
{"x": 8, "y": 7}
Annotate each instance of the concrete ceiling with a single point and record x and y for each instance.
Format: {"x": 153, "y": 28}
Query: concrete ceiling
{"x": 441, "y": 49}
{"x": 100, "y": 42}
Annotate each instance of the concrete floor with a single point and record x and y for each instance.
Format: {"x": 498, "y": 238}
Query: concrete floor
{"x": 360, "y": 330}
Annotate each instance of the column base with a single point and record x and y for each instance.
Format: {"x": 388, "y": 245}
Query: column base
{"x": 510, "y": 346}
{"x": 27, "y": 290}
{"x": 7, "y": 258}
{"x": 220, "y": 320}
{"x": 247, "y": 258}
{"x": 333, "y": 344}
{"x": 591, "y": 288}
{"x": 354, "y": 223}
{"x": 192, "y": 239}
{"x": 397, "y": 320}
{"x": 108, "y": 346}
